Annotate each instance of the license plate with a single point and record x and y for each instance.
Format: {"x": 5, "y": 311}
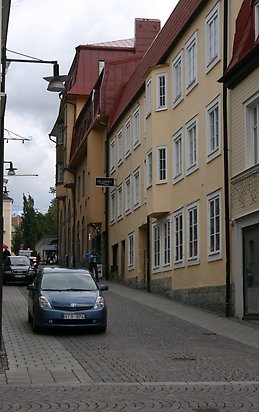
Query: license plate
{"x": 74, "y": 316}
{"x": 19, "y": 276}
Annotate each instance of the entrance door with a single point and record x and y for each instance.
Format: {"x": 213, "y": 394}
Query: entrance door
{"x": 251, "y": 270}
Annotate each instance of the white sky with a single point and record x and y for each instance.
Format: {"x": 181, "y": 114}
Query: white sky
{"x": 50, "y": 30}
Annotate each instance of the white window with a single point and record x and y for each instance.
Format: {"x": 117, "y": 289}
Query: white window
{"x": 128, "y": 195}
{"x": 214, "y": 226}
{"x": 161, "y": 91}
{"x": 112, "y": 207}
{"x": 156, "y": 246}
{"x": 60, "y": 137}
{"x": 193, "y": 233}
{"x": 136, "y": 188}
{"x": 166, "y": 247}
{"x": 120, "y": 202}
{"x": 178, "y": 78}
{"x": 213, "y": 129}
{"x": 136, "y": 127}
{"x": 212, "y": 31}
{"x": 256, "y": 19}
{"x": 127, "y": 138}
{"x": 148, "y": 98}
{"x": 191, "y": 146}
{"x": 131, "y": 251}
{"x": 178, "y": 238}
{"x": 178, "y": 156}
{"x": 191, "y": 62}
{"x": 112, "y": 156}
{"x": 119, "y": 147}
{"x": 252, "y": 132}
{"x": 161, "y": 164}
{"x": 149, "y": 168}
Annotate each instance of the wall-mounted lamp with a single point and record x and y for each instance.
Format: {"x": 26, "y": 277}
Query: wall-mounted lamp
{"x": 56, "y": 82}
{"x": 11, "y": 169}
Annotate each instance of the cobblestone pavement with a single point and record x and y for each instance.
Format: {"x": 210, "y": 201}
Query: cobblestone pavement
{"x": 149, "y": 360}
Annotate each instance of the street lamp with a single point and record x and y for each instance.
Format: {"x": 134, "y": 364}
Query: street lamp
{"x": 56, "y": 84}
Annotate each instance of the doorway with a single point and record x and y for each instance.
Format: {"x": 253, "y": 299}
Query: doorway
{"x": 251, "y": 270}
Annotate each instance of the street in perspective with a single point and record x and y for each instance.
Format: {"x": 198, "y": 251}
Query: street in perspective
{"x": 156, "y": 355}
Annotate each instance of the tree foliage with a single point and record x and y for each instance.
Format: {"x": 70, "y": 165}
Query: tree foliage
{"x": 35, "y": 225}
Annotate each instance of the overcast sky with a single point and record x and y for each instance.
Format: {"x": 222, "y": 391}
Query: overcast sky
{"x": 51, "y": 30}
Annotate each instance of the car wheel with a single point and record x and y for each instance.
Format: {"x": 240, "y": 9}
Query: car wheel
{"x": 29, "y": 318}
{"x": 102, "y": 329}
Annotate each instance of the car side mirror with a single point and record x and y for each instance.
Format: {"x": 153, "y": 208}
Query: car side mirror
{"x": 31, "y": 287}
{"x": 103, "y": 287}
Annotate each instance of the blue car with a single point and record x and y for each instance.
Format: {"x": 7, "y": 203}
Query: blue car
{"x": 66, "y": 298}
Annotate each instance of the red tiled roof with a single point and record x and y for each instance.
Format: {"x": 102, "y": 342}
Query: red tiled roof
{"x": 176, "y": 22}
{"x": 244, "y": 39}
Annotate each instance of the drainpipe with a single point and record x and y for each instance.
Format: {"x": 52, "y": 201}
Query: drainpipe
{"x": 226, "y": 163}
{"x": 148, "y": 255}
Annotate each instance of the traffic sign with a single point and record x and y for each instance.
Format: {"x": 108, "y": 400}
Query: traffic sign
{"x": 104, "y": 181}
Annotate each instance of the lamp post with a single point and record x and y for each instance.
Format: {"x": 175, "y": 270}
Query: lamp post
{"x": 56, "y": 84}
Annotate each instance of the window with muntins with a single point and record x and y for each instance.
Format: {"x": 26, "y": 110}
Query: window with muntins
{"x": 136, "y": 127}
{"x": 112, "y": 156}
{"x": 178, "y": 238}
{"x": 156, "y": 246}
{"x": 212, "y": 30}
{"x": 192, "y": 232}
{"x": 191, "y": 62}
{"x": 136, "y": 188}
{"x": 127, "y": 138}
{"x": 60, "y": 172}
{"x": 112, "y": 207}
{"x": 161, "y": 164}
{"x": 166, "y": 243}
{"x": 120, "y": 202}
{"x": 128, "y": 195}
{"x": 119, "y": 147}
{"x": 161, "y": 91}
{"x": 178, "y": 156}
{"x": 148, "y": 98}
{"x": 131, "y": 250}
{"x": 192, "y": 146}
{"x": 214, "y": 226}
{"x": 178, "y": 78}
{"x": 213, "y": 129}
{"x": 149, "y": 168}
{"x": 252, "y": 132}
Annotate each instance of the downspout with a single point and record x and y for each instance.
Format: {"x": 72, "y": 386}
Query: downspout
{"x": 226, "y": 163}
{"x": 148, "y": 255}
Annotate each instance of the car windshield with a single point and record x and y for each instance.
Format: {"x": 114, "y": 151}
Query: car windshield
{"x": 19, "y": 261}
{"x": 63, "y": 281}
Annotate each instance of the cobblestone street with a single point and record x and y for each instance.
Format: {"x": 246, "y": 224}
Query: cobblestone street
{"x": 149, "y": 360}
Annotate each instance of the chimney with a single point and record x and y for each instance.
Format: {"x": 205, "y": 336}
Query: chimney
{"x": 145, "y": 32}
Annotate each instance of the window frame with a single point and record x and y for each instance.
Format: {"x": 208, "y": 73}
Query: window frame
{"x": 120, "y": 202}
{"x": 251, "y": 144}
{"x": 112, "y": 155}
{"x": 191, "y": 166}
{"x": 128, "y": 195}
{"x": 178, "y": 173}
{"x": 127, "y": 147}
{"x": 178, "y": 246}
{"x": 217, "y": 253}
{"x": 136, "y": 127}
{"x": 159, "y": 170}
{"x": 136, "y": 189}
{"x": 148, "y": 97}
{"x": 112, "y": 207}
{"x": 161, "y": 98}
{"x": 212, "y": 17}
{"x": 191, "y": 44}
{"x": 192, "y": 258}
{"x": 131, "y": 251}
{"x": 119, "y": 147}
{"x": 214, "y": 105}
{"x": 256, "y": 13}
{"x": 149, "y": 168}
{"x": 177, "y": 78}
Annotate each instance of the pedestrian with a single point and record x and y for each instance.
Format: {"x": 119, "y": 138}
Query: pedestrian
{"x": 93, "y": 265}
{"x": 6, "y": 253}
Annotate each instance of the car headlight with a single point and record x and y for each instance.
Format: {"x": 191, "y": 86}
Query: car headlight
{"x": 44, "y": 302}
{"x": 99, "y": 303}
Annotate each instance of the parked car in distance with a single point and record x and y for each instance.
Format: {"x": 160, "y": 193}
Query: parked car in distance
{"x": 66, "y": 298}
{"x": 17, "y": 269}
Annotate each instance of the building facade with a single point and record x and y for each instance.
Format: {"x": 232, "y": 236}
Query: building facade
{"x": 157, "y": 124}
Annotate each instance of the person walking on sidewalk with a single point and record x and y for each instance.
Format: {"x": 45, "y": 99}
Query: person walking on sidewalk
{"x": 93, "y": 265}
